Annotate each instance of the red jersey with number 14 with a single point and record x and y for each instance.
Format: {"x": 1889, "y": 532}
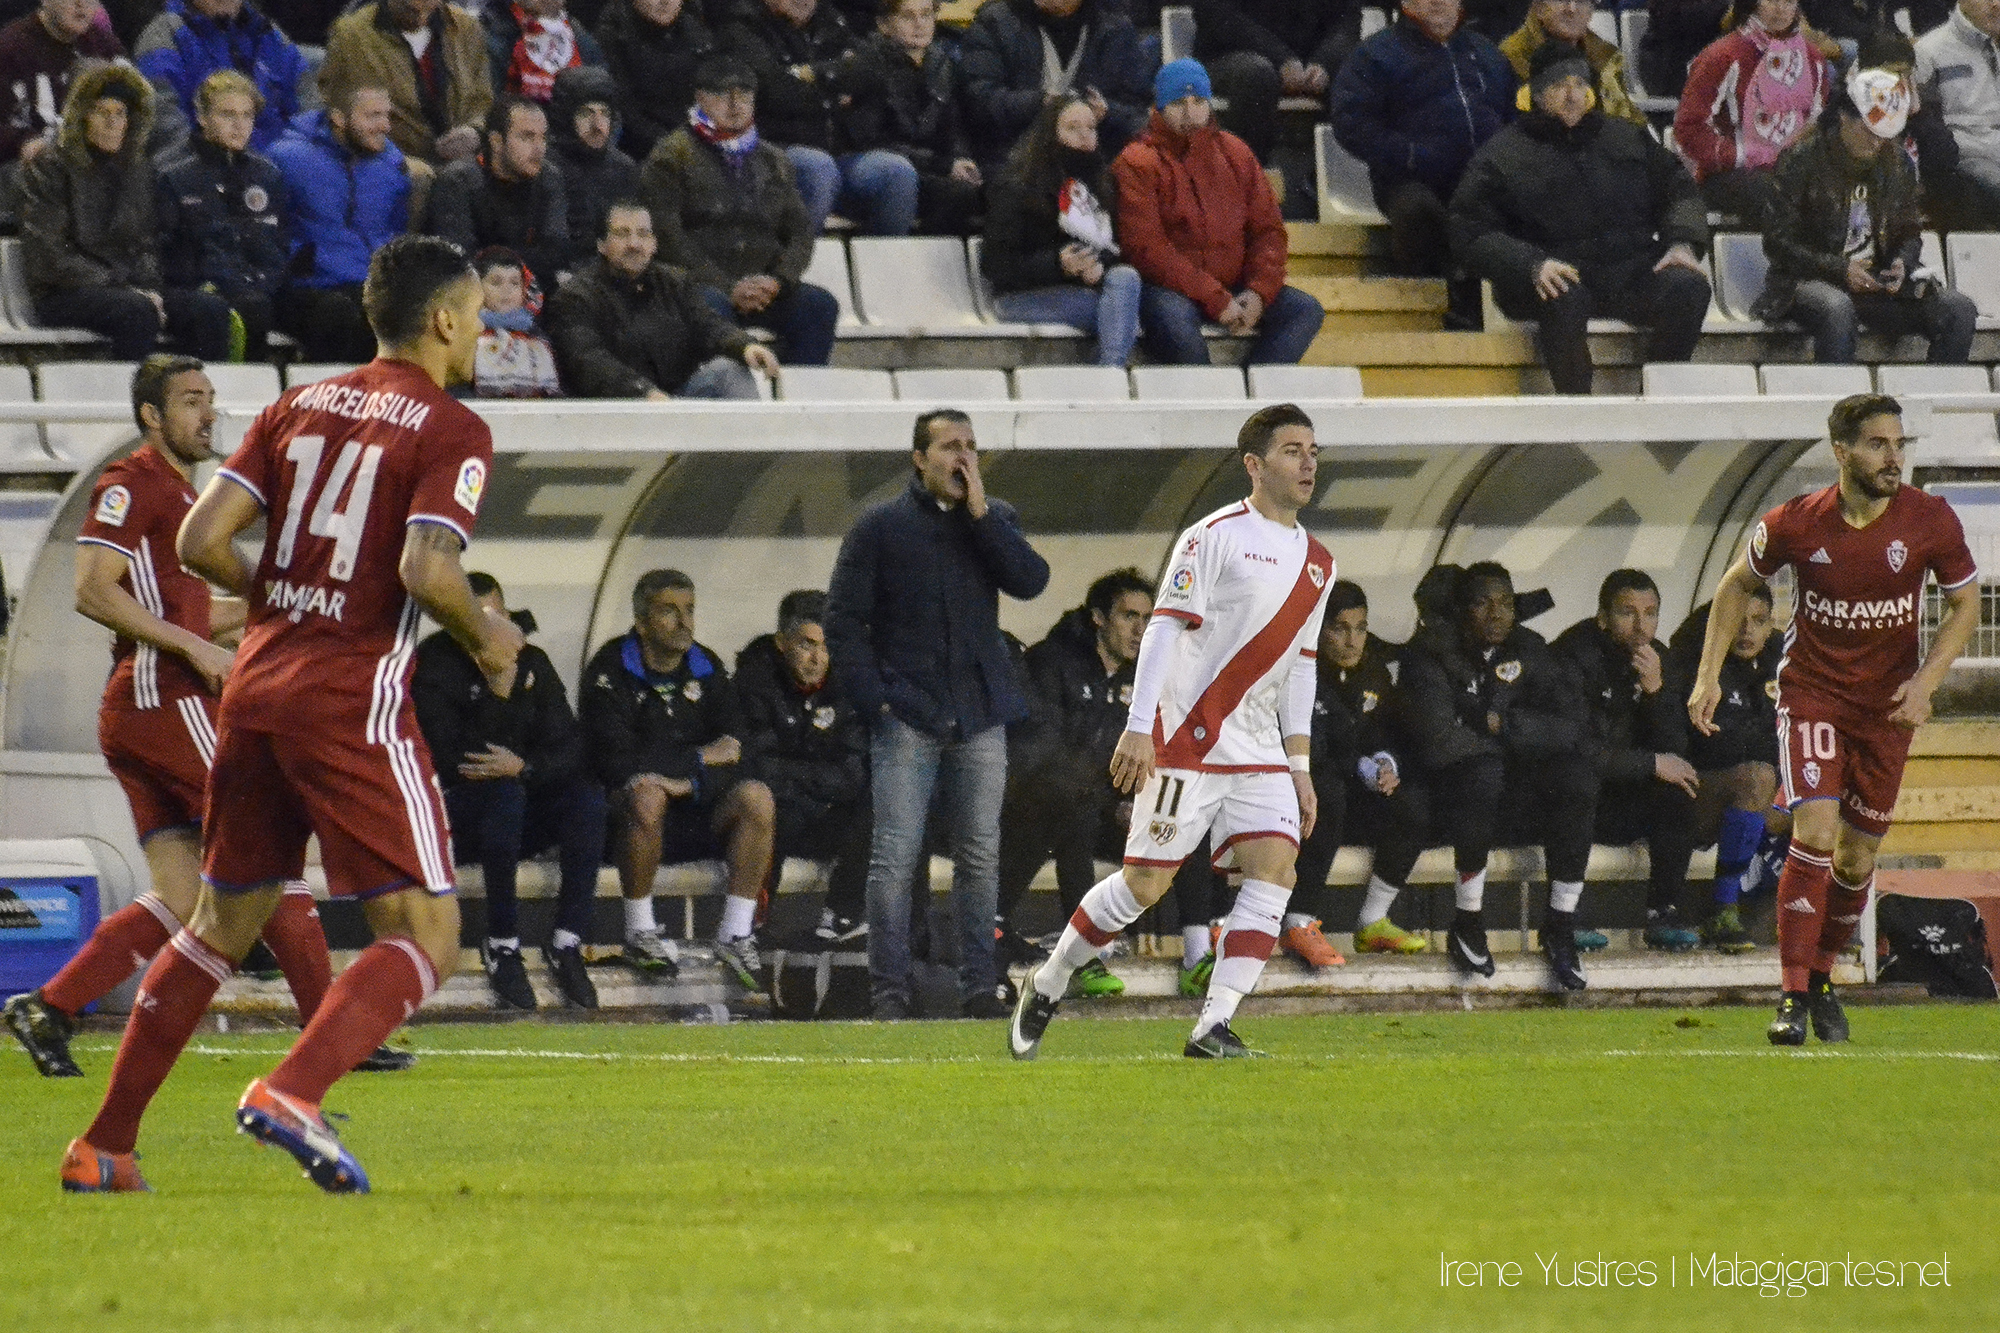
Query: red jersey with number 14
{"x": 341, "y": 468}
{"x": 1858, "y": 591}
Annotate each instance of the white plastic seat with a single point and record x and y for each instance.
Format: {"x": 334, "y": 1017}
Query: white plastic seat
{"x": 1973, "y": 258}
{"x": 1831, "y": 382}
{"x": 1176, "y": 33}
{"x": 829, "y": 269}
{"x": 1741, "y": 270}
{"x": 950, "y": 387}
{"x": 1685, "y": 379}
{"x": 1930, "y": 255}
{"x": 982, "y": 296}
{"x": 1187, "y": 383}
{"x": 248, "y": 382}
{"x": 1345, "y": 194}
{"x": 86, "y": 382}
{"x": 919, "y": 284}
{"x": 312, "y": 372}
{"x": 835, "y": 384}
{"x": 1072, "y": 384}
{"x": 1278, "y": 383}
{"x": 1605, "y": 24}
{"x": 20, "y": 441}
{"x": 1373, "y": 20}
{"x": 1952, "y": 434}
{"x": 19, "y": 306}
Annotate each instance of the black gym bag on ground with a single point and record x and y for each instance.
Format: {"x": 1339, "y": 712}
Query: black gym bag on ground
{"x": 1937, "y": 942}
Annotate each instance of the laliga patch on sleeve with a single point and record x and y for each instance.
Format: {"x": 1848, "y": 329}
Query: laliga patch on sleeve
{"x": 471, "y": 483}
{"x": 1759, "y": 539}
{"x": 113, "y": 505}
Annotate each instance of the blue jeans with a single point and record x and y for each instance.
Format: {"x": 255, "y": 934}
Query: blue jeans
{"x": 1832, "y": 317}
{"x": 1111, "y": 311}
{"x": 907, "y": 766}
{"x": 802, "y": 317}
{"x": 498, "y": 821}
{"x": 1173, "y": 328}
{"x": 719, "y": 377}
{"x": 877, "y": 189}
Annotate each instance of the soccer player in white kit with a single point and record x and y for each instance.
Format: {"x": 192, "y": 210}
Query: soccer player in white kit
{"x": 1217, "y": 740}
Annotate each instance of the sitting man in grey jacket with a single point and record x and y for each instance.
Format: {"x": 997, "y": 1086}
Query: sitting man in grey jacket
{"x": 1958, "y": 72}
{"x": 913, "y": 620}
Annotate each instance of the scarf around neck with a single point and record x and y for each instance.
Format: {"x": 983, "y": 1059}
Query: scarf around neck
{"x": 734, "y": 148}
{"x": 546, "y": 47}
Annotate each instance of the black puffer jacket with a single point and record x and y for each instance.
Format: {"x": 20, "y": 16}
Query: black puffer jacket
{"x": 654, "y": 69}
{"x": 222, "y": 220}
{"x": 901, "y": 107}
{"x": 1024, "y": 235}
{"x": 620, "y": 337}
{"x": 811, "y": 750}
{"x": 1602, "y": 196}
{"x": 1001, "y": 64}
{"x": 474, "y": 208}
{"x": 1449, "y": 690}
{"x": 1627, "y": 726}
{"x": 1357, "y": 712}
{"x": 635, "y": 723}
{"x": 459, "y": 715}
{"x": 1087, "y": 708}
{"x": 87, "y": 220}
{"x": 1746, "y": 719}
{"x": 798, "y": 70}
{"x": 593, "y": 178}
{"x": 1805, "y": 236}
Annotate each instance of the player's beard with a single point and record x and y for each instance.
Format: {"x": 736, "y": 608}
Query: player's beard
{"x": 1874, "y": 486}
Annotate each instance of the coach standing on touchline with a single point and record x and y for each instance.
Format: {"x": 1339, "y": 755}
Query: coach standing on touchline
{"x": 913, "y": 619}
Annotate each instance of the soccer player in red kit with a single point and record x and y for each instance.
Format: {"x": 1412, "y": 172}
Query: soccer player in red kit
{"x": 369, "y": 483}
{"x": 156, "y": 726}
{"x": 1851, "y": 690}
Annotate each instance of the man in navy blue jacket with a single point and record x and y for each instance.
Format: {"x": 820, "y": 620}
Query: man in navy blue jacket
{"x": 913, "y": 620}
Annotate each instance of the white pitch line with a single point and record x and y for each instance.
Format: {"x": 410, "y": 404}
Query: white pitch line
{"x": 1780, "y": 1054}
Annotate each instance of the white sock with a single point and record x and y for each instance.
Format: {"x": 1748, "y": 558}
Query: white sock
{"x": 566, "y": 939}
{"x": 738, "y": 916}
{"x": 1251, "y": 934}
{"x": 1563, "y": 894}
{"x": 1472, "y": 892}
{"x": 1298, "y": 920}
{"x": 639, "y": 915}
{"x": 1108, "y": 908}
{"x": 1381, "y": 897}
{"x": 513, "y": 942}
{"x": 1195, "y": 944}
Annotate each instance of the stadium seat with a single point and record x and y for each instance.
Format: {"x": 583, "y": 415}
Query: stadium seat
{"x": 829, "y": 269}
{"x": 1973, "y": 258}
{"x": 1740, "y": 271}
{"x": 1952, "y": 434}
{"x": 86, "y": 382}
{"x": 1345, "y": 196}
{"x": 982, "y": 296}
{"x": 19, "y": 307}
{"x": 1187, "y": 383}
{"x": 1072, "y": 384}
{"x": 250, "y": 382}
{"x": 1278, "y": 383}
{"x": 1604, "y": 23}
{"x": 1930, "y": 254}
{"x": 948, "y": 388}
{"x": 1821, "y": 381}
{"x": 1685, "y": 379}
{"x": 1373, "y": 20}
{"x": 21, "y": 448}
{"x": 835, "y": 384}
{"x": 1176, "y": 33}
{"x": 312, "y": 372}
{"x": 919, "y": 285}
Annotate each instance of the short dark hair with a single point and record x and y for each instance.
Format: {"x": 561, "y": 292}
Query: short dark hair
{"x": 1483, "y": 571}
{"x": 405, "y": 278}
{"x": 483, "y": 583}
{"x": 654, "y": 582}
{"x": 1760, "y": 591}
{"x": 500, "y": 116}
{"x": 1624, "y": 580}
{"x": 496, "y": 256}
{"x": 806, "y": 606}
{"x": 149, "y": 381}
{"x": 724, "y": 73}
{"x": 1264, "y": 425}
{"x": 920, "y": 434}
{"x": 1104, "y": 593}
{"x": 622, "y": 204}
{"x": 1346, "y": 596}
{"x": 887, "y": 8}
{"x": 1843, "y": 424}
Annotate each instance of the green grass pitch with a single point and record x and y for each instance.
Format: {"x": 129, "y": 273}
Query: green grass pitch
{"x": 911, "y": 1178}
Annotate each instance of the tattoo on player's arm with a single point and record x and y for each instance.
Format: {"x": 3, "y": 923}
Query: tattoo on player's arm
{"x": 433, "y": 537}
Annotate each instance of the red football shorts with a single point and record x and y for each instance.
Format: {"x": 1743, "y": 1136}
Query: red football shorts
{"x": 1824, "y": 754}
{"x": 377, "y": 809}
{"x": 160, "y": 756}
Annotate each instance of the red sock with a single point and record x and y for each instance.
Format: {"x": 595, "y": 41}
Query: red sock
{"x": 172, "y": 999}
{"x": 297, "y": 942}
{"x": 1802, "y": 890}
{"x": 368, "y": 1001}
{"x": 123, "y": 943}
{"x": 1844, "y": 905}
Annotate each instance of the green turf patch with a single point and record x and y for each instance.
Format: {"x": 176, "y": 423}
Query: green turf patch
{"x": 901, "y": 1177}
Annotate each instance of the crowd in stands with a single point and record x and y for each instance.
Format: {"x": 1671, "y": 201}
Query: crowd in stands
{"x": 1503, "y": 140}
{"x": 889, "y": 717}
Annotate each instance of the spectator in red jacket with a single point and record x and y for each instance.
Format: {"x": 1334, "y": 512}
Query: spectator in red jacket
{"x": 1747, "y": 98}
{"x": 1197, "y": 218}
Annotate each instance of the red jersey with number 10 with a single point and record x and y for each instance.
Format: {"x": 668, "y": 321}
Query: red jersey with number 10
{"x": 341, "y": 468}
{"x": 1857, "y": 591}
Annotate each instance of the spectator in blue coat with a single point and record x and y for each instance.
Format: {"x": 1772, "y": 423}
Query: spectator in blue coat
{"x": 1414, "y": 102}
{"x": 221, "y": 209}
{"x": 352, "y": 191}
{"x": 1008, "y": 72}
{"x": 192, "y": 39}
{"x": 913, "y": 622}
